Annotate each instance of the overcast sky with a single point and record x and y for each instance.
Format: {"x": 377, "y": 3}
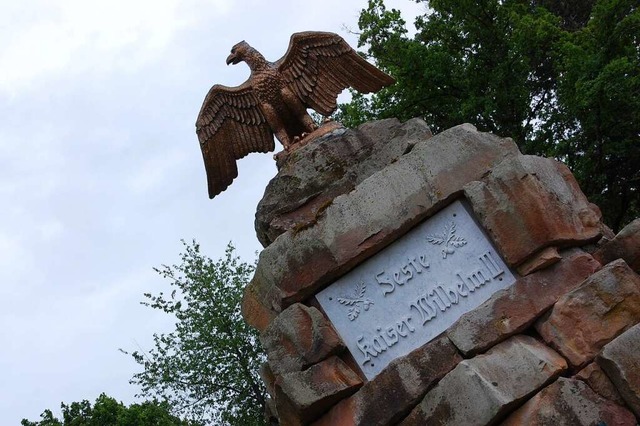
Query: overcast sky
{"x": 101, "y": 174}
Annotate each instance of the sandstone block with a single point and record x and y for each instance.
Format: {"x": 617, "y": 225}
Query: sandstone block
{"x": 527, "y": 203}
{"x": 254, "y": 311}
{"x": 458, "y": 156}
{"x": 258, "y": 300}
{"x": 597, "y": 380}
{"x": 314, "y": 390}
{"x": 512, "y": 310}
{"x": 625, "y": 245}
{"x": 481, "y": 390}
{"x": 397, "y": 389}
{"x": 313, "y": 175}
{"x": 299, "y": 337}
{"x": 295, "y": 263}
{"x": 620, "y": 359}
{"x": 544, "y": 259}
{"x": 586, "y": 319}
{"x": 375, "y": 213}
{"x": 268, "y": 378}
{"x": 569, "y": 402}
{"x": 354, "y": 226}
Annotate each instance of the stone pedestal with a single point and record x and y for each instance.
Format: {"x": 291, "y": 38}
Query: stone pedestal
{"x": 448, "y": 279}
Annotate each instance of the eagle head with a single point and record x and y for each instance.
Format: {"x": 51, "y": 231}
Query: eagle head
{"x": 239, "y": 52}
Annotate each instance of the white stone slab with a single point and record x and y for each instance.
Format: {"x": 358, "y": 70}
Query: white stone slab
{"x": 413, "y": 290}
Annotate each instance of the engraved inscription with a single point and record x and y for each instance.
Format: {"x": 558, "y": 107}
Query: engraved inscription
{"x": 415, "y": 289}
{"x": 413, "y": 266}
{"x": 444, "y": 296}
{"x": 384, "y": 338}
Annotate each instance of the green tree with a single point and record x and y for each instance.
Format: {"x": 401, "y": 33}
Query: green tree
{"x": 106, "y": 411}
{"x": 207, "y": 368}
{"x": 574, "y": 14}
{"x": 596, "y": 119}
{"x": 562, "y": 81}
{"x": 482, "y": 62}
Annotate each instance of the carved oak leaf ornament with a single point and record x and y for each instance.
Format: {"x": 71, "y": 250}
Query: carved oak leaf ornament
{"x": 354, "y": 303}
{"x": 235, "y": 121}
{"x": 448, "y": 237}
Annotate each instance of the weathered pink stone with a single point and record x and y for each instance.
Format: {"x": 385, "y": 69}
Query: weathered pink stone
{"x": 597, "y": 380}
{"x": 481, "y": 390}
{"x": 527, "y": 203}
{"x": 547, "y": 257}
{"x": 299, "y": 337}
{"x": 620, "y": 359}
{"x": 625, "y": 245}
{"x": 308, "y": 393}
{"x": 254, "y": 310}
{"x": 310, "y": 177}
{"x": 397, "y": 389}
{"x": 569, "y": 402}
{"x": 513, "y": 309}
{"x": 585, "y": 320}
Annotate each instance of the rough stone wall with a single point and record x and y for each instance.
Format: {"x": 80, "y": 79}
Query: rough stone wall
{"x": 560, "y": 346}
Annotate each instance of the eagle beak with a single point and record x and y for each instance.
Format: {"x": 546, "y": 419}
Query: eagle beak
{"x": 232, "y": 59}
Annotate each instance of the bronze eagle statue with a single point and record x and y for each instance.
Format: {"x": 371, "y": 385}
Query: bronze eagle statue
{"x": 235, "y": 121}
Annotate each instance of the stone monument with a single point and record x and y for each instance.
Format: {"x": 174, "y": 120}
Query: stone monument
{"x": 415, "y": 279}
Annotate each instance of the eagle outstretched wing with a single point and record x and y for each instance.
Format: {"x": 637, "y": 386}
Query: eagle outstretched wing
{"x": 230, "y": 125}
{"x": 318, "y": 66}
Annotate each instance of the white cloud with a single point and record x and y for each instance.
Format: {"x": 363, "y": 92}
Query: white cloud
{"x": 154, "y": 171}
{"x": 15, "y": 260}
{"x": 51, "y": 229}
{"x": 72, "y": 36}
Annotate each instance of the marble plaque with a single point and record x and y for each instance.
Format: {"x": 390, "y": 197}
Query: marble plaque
{"x": 413, "y": 290}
